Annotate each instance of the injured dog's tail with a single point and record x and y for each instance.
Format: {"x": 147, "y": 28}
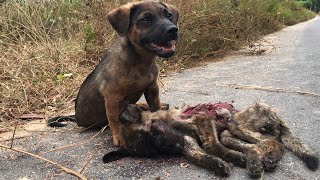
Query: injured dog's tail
{"x": 58, "y": 121}
{"x": 115, "y": 155}
{"x": 295, "y": 145}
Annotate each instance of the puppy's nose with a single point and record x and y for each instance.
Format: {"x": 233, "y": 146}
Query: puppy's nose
{"x": 172, "y": 31}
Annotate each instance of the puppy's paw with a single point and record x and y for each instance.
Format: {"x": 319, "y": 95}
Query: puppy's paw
{"x": 146, "y": 107}
{"x": 116, "y": 141}
{"x": 164, "y": 106}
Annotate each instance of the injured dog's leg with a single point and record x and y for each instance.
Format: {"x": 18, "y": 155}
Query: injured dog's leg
{"x": 272, "y": 152}
{"x": 243, "y": 132}
{"x": 254, "y": 160}
{"x": 210, "y": 141}
{"x": 260, "y": 121}
{"x": 199, "y": 157}
{"x": 266, "y": 152}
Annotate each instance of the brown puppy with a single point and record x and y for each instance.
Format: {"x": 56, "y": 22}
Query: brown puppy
{"x": 147, "y": 29}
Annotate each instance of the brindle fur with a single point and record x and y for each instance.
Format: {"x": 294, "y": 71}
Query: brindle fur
{"x": 259, "y": 123}
{"x": 147, "y": 29}
{"x": 263, "y": 155}
{"x": 208, "y": 131}
{"x": 148, "y": 134}
{"x": 256, "y": 131}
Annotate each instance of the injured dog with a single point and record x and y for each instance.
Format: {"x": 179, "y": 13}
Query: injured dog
{"x": 234, "y": 129}
{"x": 260, "y": 123}
{"x": 148, "y": 134}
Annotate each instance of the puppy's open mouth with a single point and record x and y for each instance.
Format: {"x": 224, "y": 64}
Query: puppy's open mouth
{"x": 165, "y": 50}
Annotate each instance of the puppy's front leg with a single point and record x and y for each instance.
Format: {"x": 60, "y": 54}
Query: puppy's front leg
{"x": 152, "y": 96}
{"x": 113, "y": 110}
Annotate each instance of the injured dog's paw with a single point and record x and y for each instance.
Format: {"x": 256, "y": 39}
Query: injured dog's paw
{"x": 212, "y": 163}
{"x": 219, "y": 166}
{"x": 254, "y": 164}
{"x": 272, "y": 152}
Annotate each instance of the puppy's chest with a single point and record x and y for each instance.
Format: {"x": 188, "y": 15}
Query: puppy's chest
{"x": 136, "y": 82}
{"x": 135, "y": 87}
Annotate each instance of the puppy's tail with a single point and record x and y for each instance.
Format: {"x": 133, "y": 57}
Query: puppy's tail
{"x": 115, "y": 155}
{"x": 58, "y": 121}
{"x": 293, "y": 143}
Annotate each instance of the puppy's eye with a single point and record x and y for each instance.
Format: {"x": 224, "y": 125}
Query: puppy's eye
{"x": 145, "y": 19}
{"x": 169, "y": 16}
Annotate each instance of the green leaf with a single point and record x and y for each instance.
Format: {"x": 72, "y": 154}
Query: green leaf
{"x": 60, "y": 77}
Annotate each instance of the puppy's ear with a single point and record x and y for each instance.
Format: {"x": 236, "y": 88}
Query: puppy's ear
{"x": 174, "y": 11}
{"x": 120, "y": 19}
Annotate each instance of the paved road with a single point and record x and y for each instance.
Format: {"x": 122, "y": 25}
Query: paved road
{"x": 292, "y": 67}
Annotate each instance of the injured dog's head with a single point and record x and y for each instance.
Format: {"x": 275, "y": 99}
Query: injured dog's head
{"x": 145, "y": 137}
{"x": 260, "y": 118}
{"x": 148, "y": 25}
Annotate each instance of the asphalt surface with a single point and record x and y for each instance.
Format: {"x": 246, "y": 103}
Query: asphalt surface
{"x": 286, "y": 76}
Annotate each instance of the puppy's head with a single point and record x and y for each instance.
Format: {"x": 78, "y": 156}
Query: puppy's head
{"x": 149, "y": 25}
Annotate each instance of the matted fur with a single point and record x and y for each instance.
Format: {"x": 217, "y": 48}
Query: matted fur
{"x": 254, "y": 137}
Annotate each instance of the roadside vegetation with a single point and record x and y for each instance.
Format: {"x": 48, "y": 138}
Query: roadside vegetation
{"x": 48, "y": 47}
{"x": 313, "y": 5}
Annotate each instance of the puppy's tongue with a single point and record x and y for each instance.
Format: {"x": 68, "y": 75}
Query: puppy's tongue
{"x": 166, "y": 47}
